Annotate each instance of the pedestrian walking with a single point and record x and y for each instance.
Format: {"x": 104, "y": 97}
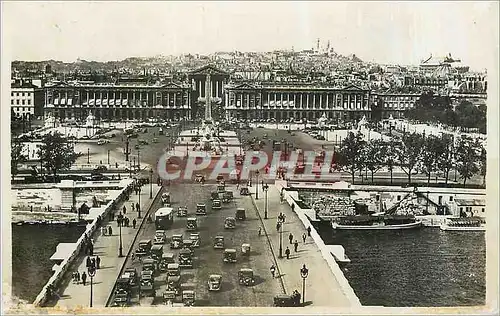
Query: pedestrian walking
{"x": 124, "y": 210}
{"x": 260, "y": 231}
{"x": 93, "y": 265}
{"x": 91, "y": 249}
{"x": 98, "y": 262}
{"x": 110, "y": 230}
{"x": 134, "y": 222}
{"x": 88, "y": 263}
{"x": 132, "y": 207}
{"x": 296, "y": 245}
{"x": 290, "y": 237}
{"x": 137, "y": 206}
{"x": 283, "y": 217}
{"x": 278, "y": 225}
{"x": 293, "y": 207}
{"x": 287, "y": 253}
{"x": 309, "y": 231}
{"x": 84, "y": 278}
{"x": 273, "y": 270}
{"x": 77, "y": 277}
{"x": 304, "y": 236}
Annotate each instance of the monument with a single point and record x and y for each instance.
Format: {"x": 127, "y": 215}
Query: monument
{"x": 362, "y": 124}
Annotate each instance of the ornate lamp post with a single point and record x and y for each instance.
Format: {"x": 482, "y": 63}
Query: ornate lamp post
{"x": 91, "y": 272}
{"x": 151, "y": 183}
{"x": 304, "y": 272}
{"x": 257, "y": 185}
{"x": 139, "y": 208}
{"x": 266, "y": 187}
{"x": 120, "y": 220}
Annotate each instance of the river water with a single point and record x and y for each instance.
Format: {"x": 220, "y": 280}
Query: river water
{"x": 32, "y": 247}
{"x": 418, "y": 267}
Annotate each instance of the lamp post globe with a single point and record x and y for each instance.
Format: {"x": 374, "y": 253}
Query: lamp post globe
{"x": 266, "y": 187}
{"x": 304, "y": 272}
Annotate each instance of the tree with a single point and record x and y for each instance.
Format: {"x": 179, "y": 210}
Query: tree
{"x": 389, "y": 148}
{"x": 16, "y": 157}
{"x": 56, "y": 153}
{"x": 433, "y": 148}
{"x": 468, "y": 157}
{"x": 374, "y": 155}
{"x": 350, "y": 153}
{"x": 410, "y": 153}
{"x": 482, "y": 164}
{"x": 446, "y": 159}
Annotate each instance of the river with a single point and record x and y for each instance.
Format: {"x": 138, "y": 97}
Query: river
{"x": 410, "y": 268}
{"x": 32, "y": 247}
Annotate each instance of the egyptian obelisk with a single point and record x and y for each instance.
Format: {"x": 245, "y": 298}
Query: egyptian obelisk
{"x": 208, "y": 97}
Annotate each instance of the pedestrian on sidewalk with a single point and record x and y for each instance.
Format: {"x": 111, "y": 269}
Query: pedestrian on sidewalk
{"x": 134, "y": 222}
{"x": 93, "y": 265}
{"x": 296, "y": 245}
{"x": 124, "y": 210}
{"x": 304, "y": 236}
{"x": 88, "y": 263}
{"x": 137, "y": 206}
{"x": 260, "y": 231}
{"x": 283, "y": 217}
{"x": 84, "y": 278}
{"x": 91, "y": 249}
{"x": 77, "y": 277}
{"x": 132, "y": 206}
{"x": 98, "y": 262}
{"x": 309, "y": 231}
{"x": 110, "y": 230}
{"x": 287, "y": 253}
{"x": 273, "y": 270}
{"x": 278, "y": 225}
{"x": 293, "y": 207}
{"x": 290, "y": 237}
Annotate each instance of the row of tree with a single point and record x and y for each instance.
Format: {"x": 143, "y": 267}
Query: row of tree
{"x": 55, "y": 152}
{"x": 412, "y": 153}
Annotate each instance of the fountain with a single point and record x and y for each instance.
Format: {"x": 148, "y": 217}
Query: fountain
{"x": 362, "y": 124}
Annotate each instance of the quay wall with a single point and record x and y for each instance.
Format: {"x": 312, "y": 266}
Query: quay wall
{"x": 59, "y": 274}
{"x": 334, "y": 267}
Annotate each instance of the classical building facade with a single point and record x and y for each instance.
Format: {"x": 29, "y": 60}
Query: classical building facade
{"x": 207, "y": 80}
{"x": 26, "y": 99}
{"x": 118, "y": 101}
{"x": 282, "y": 101}
{"x": 395, "y": 104}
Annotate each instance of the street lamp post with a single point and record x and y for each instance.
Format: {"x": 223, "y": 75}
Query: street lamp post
{"x": 304, "y": 272}
{"x": 280, "y": 255}
{"x": 139, "y": 208}
{"x": 108, "y": 156}
{"x": 120, "y": 249}
{"x": 91, "y": 272}
{"x": 257, "y": 185}
{"x": 151, "y": 183}
{"x": 266, "y": 187}
{"x": 138, "y": 159}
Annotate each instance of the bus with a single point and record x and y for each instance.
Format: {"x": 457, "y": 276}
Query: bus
{"x": 164, "y": 217}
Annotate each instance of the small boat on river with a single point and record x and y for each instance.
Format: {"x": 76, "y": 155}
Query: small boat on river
{"x": 465, "y": 224}
{"x": 377, "y": 221}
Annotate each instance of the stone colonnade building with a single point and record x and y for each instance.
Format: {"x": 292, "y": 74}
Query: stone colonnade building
{"x": 285, "y": 101}
{"x": 118, "y": 101}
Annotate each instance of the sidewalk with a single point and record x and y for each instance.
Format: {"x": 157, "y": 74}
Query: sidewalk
{"x": 322, "y": 288}
{"x": 107, "y": 248}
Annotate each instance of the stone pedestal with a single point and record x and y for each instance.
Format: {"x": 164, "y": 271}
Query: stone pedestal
{"x": 67, "y": 188}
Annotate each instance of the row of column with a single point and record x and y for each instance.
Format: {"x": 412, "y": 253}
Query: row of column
{"x": 216, "y": 88}
{"x": 354, "y": 101}
{"x": 120, "y": 113}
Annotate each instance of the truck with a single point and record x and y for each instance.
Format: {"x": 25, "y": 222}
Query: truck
{"x": 164, "y": 217}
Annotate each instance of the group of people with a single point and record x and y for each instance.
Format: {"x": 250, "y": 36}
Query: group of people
{"x": 91, "y": 264}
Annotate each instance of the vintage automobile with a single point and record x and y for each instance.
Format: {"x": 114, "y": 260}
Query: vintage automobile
{"x": 165, "y": 198}
{"x": 176, "y": 241}
{"x": 195, "y": 237}
{"x": 230, "y": 223}
{"x": 147, "y": 284}
{"x": 191, "y": 224}
{"x": 173, "y": 277}
{"x": 188, "y": 244}
{"x": 284, "y": 300}
{"x": 182, "y": 211}
{"x": 149, "y": 264}
{"x": 216, "y": 205}
{"x": 245, "y": 249}
{"x": 244, "y": 191}
{"x": 219, "y": 242}
{"x": 166, "y": 258}
{"x": 169, "y": 297}
{"x": 185, "y": 258}
{"x": 246, "y": 277}
{"x": 144, "y": 247}
{"x": 229, "y": 256}
{"x": 221, "y": 188}
{"x": 159, "y": 237}
{"x": 214, "y": 196}
{"x": 240, "y": 214}
{"x": 201, "y": 209}
{"x": 155, "y": 140}
{"x": 227, "y": 196}
{"x": 131, "y": 275}
{"x": 157, "y": 253}
{"x": 220, "y": 178}
{"x": 214, "y": 282}
{"x": 188, "y": 297}
{"x": 199, "y": 178}
{"x": 122, "y": 292}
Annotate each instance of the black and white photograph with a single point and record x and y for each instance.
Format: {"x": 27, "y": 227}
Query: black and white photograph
{"x": 180, "y": 157}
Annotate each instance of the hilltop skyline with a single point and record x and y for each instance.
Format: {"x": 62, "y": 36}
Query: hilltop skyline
{"x": 386, "y": 33}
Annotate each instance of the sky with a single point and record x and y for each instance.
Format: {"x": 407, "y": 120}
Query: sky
{"x": 384, "y": 32}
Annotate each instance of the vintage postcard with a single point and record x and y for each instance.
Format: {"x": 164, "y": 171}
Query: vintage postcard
{"x": 250, "y": 157}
